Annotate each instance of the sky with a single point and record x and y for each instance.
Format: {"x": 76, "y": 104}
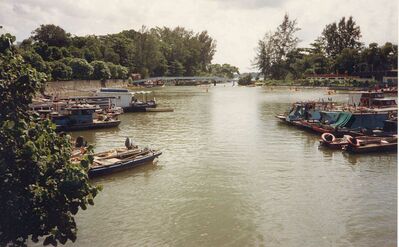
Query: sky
{"x": 236, "y": 25}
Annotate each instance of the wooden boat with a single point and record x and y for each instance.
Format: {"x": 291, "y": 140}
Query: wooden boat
{"x": 381, "y": 144}
{"x": 114, "y": 160}
{"x": 121, "y": 159}
{"x": 329, "y": 140}
{"x": 281, "y": 117}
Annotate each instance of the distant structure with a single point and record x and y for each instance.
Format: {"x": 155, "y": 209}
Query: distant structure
{"x": 182, "y": 80}
{"x": 135, "y": 76}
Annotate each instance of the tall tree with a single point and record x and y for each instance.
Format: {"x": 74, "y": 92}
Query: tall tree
{"x": 265, "y": 55}
{"x": 51, "y": 35}
{"x": 273, "y": 49}
{"x": 345, "y": 34}
{"x": 285, "y": 39}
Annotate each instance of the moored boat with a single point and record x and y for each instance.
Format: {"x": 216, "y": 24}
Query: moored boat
{"x": 329, "y": 140}
{"x": 381, "y": 144}
{"x": 81, "y": 117}
{"x": 114, "y": 160}
{"x": 120, "y": 159}
{"x": 129, "y": 101}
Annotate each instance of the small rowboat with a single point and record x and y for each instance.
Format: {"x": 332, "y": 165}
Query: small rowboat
{"x": 330, "y": 141}
{"x": 379, "y": 144}
{"x": 121, "y": 159}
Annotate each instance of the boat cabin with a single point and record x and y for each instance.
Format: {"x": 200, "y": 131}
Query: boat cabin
{"x": 384, "y": 103}
{"x": 308, "y": 110}
{"x": 123, "y": 97}
{"x": 372, "y": 100}
{"x": 129, "y": 101}
{"x": 75, "y": 116}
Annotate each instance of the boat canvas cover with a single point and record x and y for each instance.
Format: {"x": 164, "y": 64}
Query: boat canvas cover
{"x": 343, "y": 119}
{"x": 368, "y": 121}
{"x": 295, "y": 114}
{"x": 329, "y": 117}
{"x": 300, "y": 111}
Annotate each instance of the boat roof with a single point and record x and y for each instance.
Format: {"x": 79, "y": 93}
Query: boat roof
{"x": 88, "y": 97}
{"x": 385, "y": 109}
{"x": 81, "y": 107}
{"x": 384, "y": 99}
{"x": 365, "y": 92}
{"x": 114, "y": 90}
{"x": 122, "y": 90}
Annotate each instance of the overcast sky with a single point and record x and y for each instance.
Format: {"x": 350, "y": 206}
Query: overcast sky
{"x": 237, "y": 25}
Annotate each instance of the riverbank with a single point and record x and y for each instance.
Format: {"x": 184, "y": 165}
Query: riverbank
{"x": 81, "y": 87}
{"x": 310, "y": 83}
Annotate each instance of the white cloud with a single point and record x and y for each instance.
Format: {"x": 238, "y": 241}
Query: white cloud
{"x": 237, "y": 25}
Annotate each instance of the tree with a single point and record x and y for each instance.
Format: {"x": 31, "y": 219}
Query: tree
{"x": 35, "y": 60}
{"x": 273, "y": 49}
{"x": 207, "y": 49}
{"x": 40, "y": 188}
{"x": 345, "y": 34}
{"x": 284, "y": 39}
{"x": 60, "y": 71}
{"x": 265, "y": 55}
{"x": 150, "y": 52}
{"x": 6, "y": 41}
{"x": 176, "y": 68}
{"x": 100, "y": 70}
{"x": 345, "y": 62}
{"x": 389, "y": 53}
{"x": 81, "y": 69}
{"x": 225, "y": 70}
{"x": 245, "y": 80}
{"x": 113, "y": 70}
{"x": 51, "y": 35}
{"x": 122, "y": 72}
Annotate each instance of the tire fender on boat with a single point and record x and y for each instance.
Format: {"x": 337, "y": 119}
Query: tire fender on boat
{"x": 326, "y": 137}
{"x": 353, "y": 141}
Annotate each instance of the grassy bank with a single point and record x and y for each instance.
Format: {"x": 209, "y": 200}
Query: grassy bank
{"x": 319, "y": 83}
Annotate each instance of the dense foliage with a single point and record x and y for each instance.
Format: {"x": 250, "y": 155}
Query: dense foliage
{"x": 245, "y": 80}
{"x": 148, "y": 52}
{"x": 40, "y": 189}
{"x": 337, "y": 50}
{"x": 223, "y": 70}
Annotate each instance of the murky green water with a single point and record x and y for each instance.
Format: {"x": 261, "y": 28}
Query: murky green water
{"x": 231, "y": 175}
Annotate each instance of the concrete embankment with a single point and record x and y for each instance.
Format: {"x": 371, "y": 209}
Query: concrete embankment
{"x": 80, "y": 87}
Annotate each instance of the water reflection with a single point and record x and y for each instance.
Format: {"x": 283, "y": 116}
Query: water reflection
{"x": 145, "y": 170}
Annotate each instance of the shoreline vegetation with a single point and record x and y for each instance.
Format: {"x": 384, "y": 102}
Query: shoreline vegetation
{"x": 337, "y": 57}
{"x": 129, "y": 54}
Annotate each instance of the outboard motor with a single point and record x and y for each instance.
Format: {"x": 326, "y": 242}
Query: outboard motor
{"x": 128, "y": 143}
{"x": 80, "y": 142}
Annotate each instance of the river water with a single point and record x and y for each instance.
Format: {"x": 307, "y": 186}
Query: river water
{"x": 231, "y": 175}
